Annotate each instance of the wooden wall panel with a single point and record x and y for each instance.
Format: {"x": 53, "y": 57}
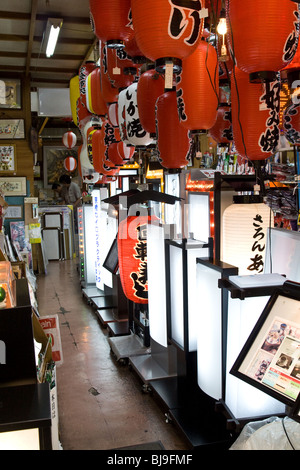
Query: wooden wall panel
{"x": 24, "y": 156}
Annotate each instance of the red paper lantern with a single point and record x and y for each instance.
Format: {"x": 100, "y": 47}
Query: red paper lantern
{"x": 109, "y": 92}
{"x": 69, "y": 139}
{"x": 120, "y": 69}
{"x": 173, "y": 141}
{"x": 134, "y": 51}
{"x": 168, "y": 30}
{"x": 221, "y": 131}
{"x": 255, "y": 116}
{"x": 101, "y": 140}
{"x": 114, "y": 156}
{"x": 150, "y": 86}
{"x": 70, "y": 164}
{"x": 111, "y": 21}
{"x": 94, "y": 98}
{"x": 198, "y": 89}
{"x": 132, "y": 254}
{"x": 263, "y": 35}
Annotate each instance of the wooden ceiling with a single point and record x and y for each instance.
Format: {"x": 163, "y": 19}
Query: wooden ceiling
{"x": 22, "y": 43}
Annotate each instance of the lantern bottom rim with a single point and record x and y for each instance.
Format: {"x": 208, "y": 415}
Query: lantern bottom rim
{"x": 262, "y": 76}
{"x": 160, "y": 64}
{"x": 247, "y": 199}
{"x": 115, "y": 44}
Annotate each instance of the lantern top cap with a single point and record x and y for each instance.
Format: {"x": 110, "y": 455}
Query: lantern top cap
{"x": 135, "y": 196}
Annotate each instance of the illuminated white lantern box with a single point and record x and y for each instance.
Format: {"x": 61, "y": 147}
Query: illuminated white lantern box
{"x": 25, "y": 419}
{"x": 244, "y": 234}
{"x": 183, "y": 300}
{"x": 249, "y": 296}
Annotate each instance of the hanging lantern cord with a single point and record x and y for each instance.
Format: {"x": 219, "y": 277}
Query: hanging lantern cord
{"x": 260, "y": 179}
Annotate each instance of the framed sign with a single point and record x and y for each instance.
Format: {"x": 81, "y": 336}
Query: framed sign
{"x": 10, "y": 93}
{"x": 53, "y": 163}
{"x": 270, "y": 359}
{"x": 7, "y": 158}
{"x": 12, "y": 129}
{"x": 14, "y": 212}
{"x": 13, "y": 186}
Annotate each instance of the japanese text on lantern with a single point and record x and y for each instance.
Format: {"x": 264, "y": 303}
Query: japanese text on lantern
{"x": 179, "y": 19}
{"x": 257, "y": 260}
{"x": 139, "y": 277}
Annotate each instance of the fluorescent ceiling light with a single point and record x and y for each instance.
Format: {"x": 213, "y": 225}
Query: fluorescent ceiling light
{"x": 53, "y": 29}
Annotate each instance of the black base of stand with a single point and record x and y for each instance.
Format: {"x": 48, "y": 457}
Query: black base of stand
{"x": 193, "y": 412}
{"x": 118, "y": 328}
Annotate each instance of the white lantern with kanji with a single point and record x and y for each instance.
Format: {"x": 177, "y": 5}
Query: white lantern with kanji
{"x": 244, "y": 236}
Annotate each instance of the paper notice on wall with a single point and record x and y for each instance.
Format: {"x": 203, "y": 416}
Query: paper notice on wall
{"x": 50, "y": 325}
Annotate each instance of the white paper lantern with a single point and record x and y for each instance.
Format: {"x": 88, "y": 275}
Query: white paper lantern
{"x": 135, "y": 132}
{"x": 244, "y": 236}
{"x": 122, "y": 116}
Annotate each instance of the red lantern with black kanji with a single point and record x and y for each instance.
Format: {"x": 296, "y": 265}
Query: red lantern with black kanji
{"x": 221, "y": 131}
{"x": 101, "y": 140}
{"x": 173, "y": 142}
{"x": 255, "y": 116}
{"x": 120, "y": 68}
{"x": 198, "y": 89}
{"x": 109, "y": 92}
{"x": 70, "y": 164}
{"x": 132, "y": 254}
{"x": 168, "y": 30}
{"x": 94, "y": 98}
{"x": 150, "y": 86}
{"x": 69, "y": 139}
{"x": 263, "y": 35}
{"x": 111, "y": 21}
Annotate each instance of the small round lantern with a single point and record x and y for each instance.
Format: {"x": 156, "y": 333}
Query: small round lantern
{"x": 262, "y": 44}
{"x": 132, "y": 253}
{"x": 167, "y": 31}
{"x": 173, "y": 140}
{"x": 70, "y": 164}
{"x": 69, "y": 139}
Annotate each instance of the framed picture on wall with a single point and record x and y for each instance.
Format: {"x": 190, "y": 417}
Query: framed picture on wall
{"x": 53, "y": 164}
{"x": 13, "y": 186}
{"x": 7, "y": 158}
{"x": 10, "y": 93}
{"x": 12, "y": 129}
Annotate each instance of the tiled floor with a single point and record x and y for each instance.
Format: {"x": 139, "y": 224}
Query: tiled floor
{"x": 100, "y": 402}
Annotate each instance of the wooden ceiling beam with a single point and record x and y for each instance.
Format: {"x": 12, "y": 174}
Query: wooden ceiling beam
{"x": 24, "y": 38}
{"x": 12, "y": 15}
{"x": 34, "y": 7}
